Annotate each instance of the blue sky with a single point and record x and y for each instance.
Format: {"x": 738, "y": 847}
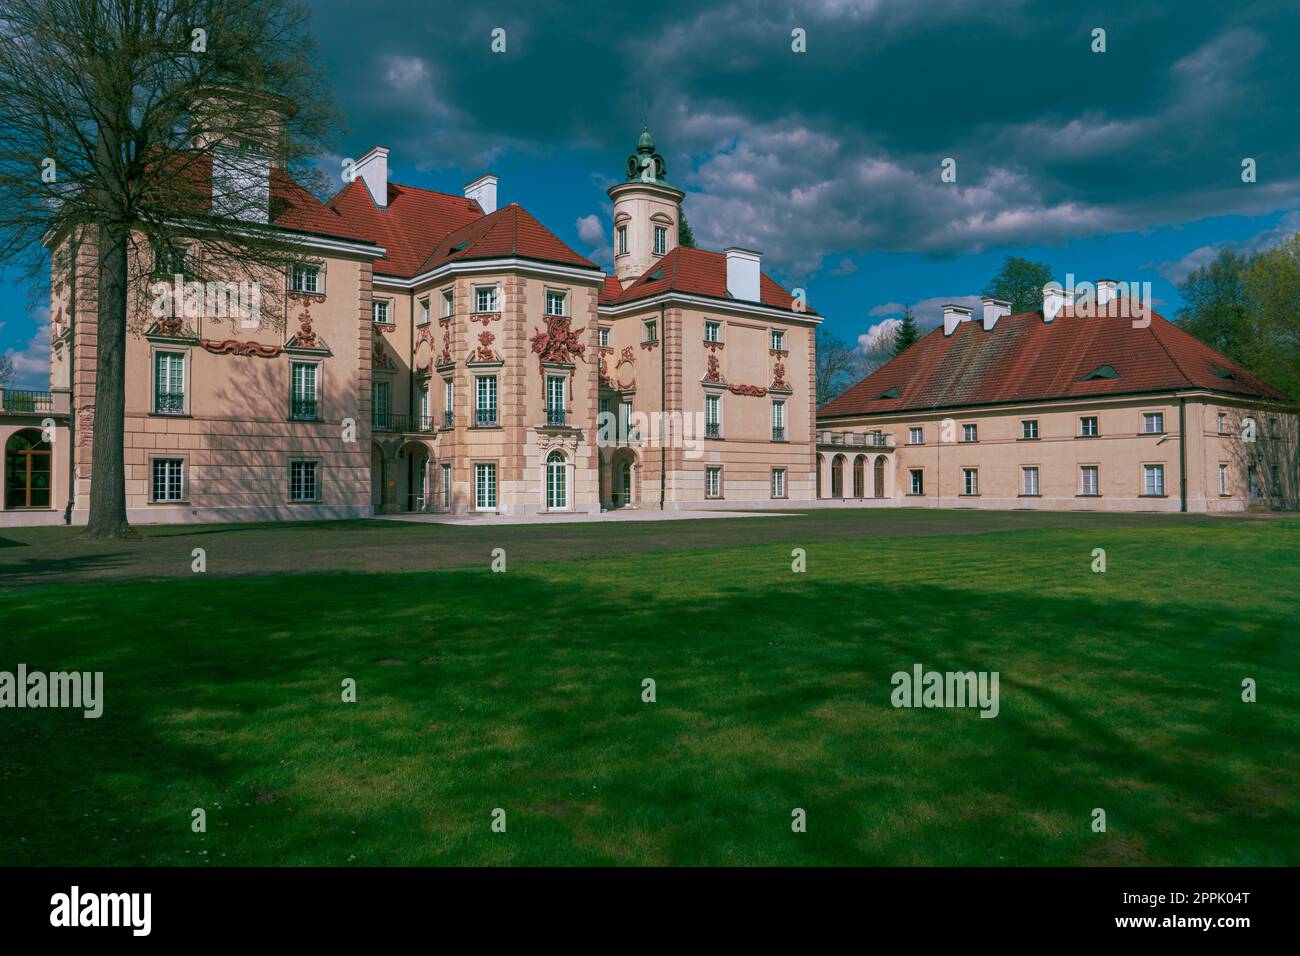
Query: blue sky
{"x": 1124, "y": 164}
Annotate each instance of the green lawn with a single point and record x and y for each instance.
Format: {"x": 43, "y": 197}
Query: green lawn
{"x": 522, "y": 691}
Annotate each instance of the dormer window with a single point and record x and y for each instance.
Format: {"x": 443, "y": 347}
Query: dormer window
{"x": 555, "y": 302}
{"x": 661, "y": 240}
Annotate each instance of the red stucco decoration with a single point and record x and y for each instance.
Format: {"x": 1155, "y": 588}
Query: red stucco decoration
{"x": 235, "y": 347}
{"x": 559, "y": 343}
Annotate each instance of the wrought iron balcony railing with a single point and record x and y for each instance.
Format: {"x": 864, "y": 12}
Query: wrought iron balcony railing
{"x": 169, "y": 402}
{"x": 555, "y": 417}
{"x": 712, "y": 430}
{"x": 778, "y": 434}
{"x": 448, "y": 419}
{"x": 403, "y": 424}
{"x": 485, "y": 418}
{"x": 304, "y": 409}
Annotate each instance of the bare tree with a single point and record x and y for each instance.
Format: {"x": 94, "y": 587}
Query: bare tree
{"x": 839, "y": 365}
{"x": 128, "y": 126}
{"x": 6, "y": 370}
{"x": 1265, "y": 453}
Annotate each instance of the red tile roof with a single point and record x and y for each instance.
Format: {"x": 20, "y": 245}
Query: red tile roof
{"x": 694, "y": 272}
{"x": 1026, "y": 359}
{"x": 508, "y": 232}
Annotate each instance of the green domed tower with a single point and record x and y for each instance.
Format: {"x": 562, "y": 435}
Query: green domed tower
{"x": 647, "y": 209}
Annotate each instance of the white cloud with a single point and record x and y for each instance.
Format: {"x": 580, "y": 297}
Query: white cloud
{"x": 32, "y": 361}
{"x": 591, "y": 230}
{"x": 929, "y": 312}
{"x": 1176, "y": 270}
{"x": 871, "y": 338}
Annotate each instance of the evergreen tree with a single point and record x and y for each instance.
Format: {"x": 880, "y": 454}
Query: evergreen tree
{"x": 684, "y": 235}
{"x": 908, "y": 334}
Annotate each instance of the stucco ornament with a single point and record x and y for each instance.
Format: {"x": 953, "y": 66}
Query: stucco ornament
{"x": 560, "y": 343}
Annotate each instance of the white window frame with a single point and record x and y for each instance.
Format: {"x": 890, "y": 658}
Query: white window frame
{"x": 970, "y": 433}
{"x": 1083, "y": 427}
{"x": 563, "y": 296}
{"x": 180, "y": 477}
{"x": 493, "y": 293}
{"x": 485, "y": 486}
{"x": 552, "y": 467}
{"x": 712, "y": 330}
{"x": 425, "y": 314}
{"x": 916, "y": 435}
{"x": 1150, "y": 418}
{"x": 381, "y": 311}
{"x": 620, "y": 239}
{"x": 776, "y": 340}
{"x": 1025, "y": 429}
{"x": 970, "y": 482}
{"x": 1095, "y": 472}
{"x": 778, "y": 415}
{"x": 1150, "y": 471}
{"x": 315, "y": 471}
{"x": 448, "y": 302}
{"x": 1029, "y": 481}
{"x": 602, "y": 336}
{"x": 649, "y": 330}
{"x": 778, "y": 483}
{"x": 184, "y": 357}
{"x": 300, "y": 273}
{"x": 446, "y": 486}
{"x": 485, "y": 386}
{"x": 1223, "y": 423}
{"x": 1223, "y": 478}
{"x": 661, "y": 240}
{"x": 315, "y": 398}
{"x": 916, "y": 480}
{"x": 713, "y": 481}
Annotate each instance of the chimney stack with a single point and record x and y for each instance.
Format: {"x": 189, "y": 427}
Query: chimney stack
{"x": 743, "y": 271}
{"x": 372, "y": 169}
{"x": 1053, "y": 300}
{"x": 994, "y": 309}
{"x": 1107, "y": 290}
{"x": 484, "y": 192}
{"x": 953, "y": 316}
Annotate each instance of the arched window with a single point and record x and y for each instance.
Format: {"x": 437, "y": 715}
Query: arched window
{"x": 880, "y": 476}
{"x": 27, "y": 470}
{"x": 859, "y": 477}
{"x": 557, "y": 489}
{"x": 821, "y": 463}
{"x": 837, "y": 476}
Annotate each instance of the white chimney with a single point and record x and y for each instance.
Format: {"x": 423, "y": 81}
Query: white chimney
{"x": 743, "y": 271}
{"x": 953, "y": 316}
{"x": 994, "y": 309}
{"x": 483, "y": 191}
{"x": 372, "y": 169}
{"x": 1107, "y": 290}
{"x": 241, "y": 184}
{"x": 1053, "y": 300}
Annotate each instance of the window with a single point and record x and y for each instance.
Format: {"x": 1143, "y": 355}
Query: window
{"x": 625, "y": 421}
{"x": 649, "y": 331}
{"x": 602, "y": 337}
{"x": 169, "y": 260}
{"x": 777, "y": 340}
{"x": 555, "y": 302}
{"x": 1223, "y": 479}
{"x": 1029, "y": 482}
{"x": 713, "y": 331}
{"x": 306, "y": 279}
{"x": 379, "y": 404}
{"x": 555, "y": 400}
{"x": 970, "y": 433}
{"x": 446, "y": 487}
{"x": 970, "y": 481}
{"x": 485, "y": 401}
{"x": 713, "y": 482}
{"x": 167, "y": 479}
{"x": 778, "y": 482}
{"x": 423, "y": 311}
{"x": 303, "y": 391}
{"x": 916, "y": 436}
{"x": 837, "y": 476}
{"x": 381, "y": 311}
{"x": 918, "y": 481}
{"x": 661, "y": 240}
{"x": 1088, "y": 426}
{"x": 448, "y": 302}
{"x": 485, "y": 299}
{"x": 712, "y": 416}
{"x": 557, "y": 493}
{"x": 302, "y": 480}
{"x": 1029, "y": 429}
{"x": 859, "y": 477}
{"x": 448, "y": 402}
{"x": 1223, "y": 423}
{"x": 169, "y": 383}
{"x": 1153, "y": 480}
{"x": 485, "y": 487}
{"x": 778, "y": 421}
{"x": 1088, "y": 483}
{"x": 425, "y": 420}
{"x": 1153, "y": 423}
{"x": 621, "y": 232}
{"x": 1272, "y": 428}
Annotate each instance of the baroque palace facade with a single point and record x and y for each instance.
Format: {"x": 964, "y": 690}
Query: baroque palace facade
{"x": 1098, "y": 405}
{"x": 438, "y": 354}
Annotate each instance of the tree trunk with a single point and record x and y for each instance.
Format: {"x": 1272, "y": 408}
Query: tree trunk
{"x": 108, "y": 468}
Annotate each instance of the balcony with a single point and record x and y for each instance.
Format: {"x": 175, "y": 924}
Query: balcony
{"x": 855, "y": 440}
{"x": 712, "y": 430}
{"x": 401, "y": 424}
{"x": 485, "y": 418}
{"x": 25, "y": 401}
{"x": 555, "y": 418}
{"x": 169, "y": 402}
{"x": 778, "y": 433}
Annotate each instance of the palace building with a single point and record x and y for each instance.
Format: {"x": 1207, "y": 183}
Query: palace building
{"x": 1098, "y": 405}
{"x": 438, "y": 353}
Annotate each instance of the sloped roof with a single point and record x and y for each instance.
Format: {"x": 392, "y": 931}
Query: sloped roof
{"x": 1026, "y": 359}
{"x": 510, "y": 231}
{"x": 694, "y": 272}
{"x": 415, "y": 221}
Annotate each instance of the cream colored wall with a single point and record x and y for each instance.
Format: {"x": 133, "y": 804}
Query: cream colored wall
{"x": 641, "y": 208}
{"x": 1120, "y": 451}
